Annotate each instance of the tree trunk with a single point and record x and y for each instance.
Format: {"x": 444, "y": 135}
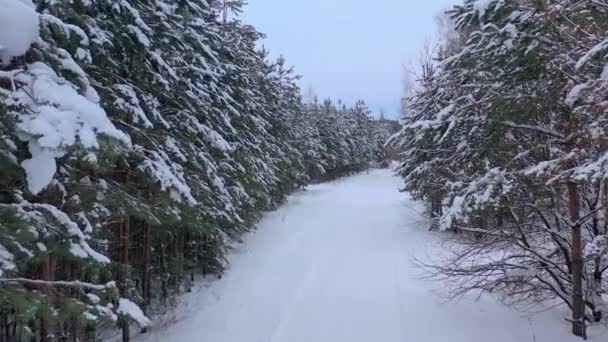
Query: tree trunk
{"x": 147, "y": 246}
{"x": 164, "y": 274}
{"x": 578, "y": 304}
{"x": 124, "y": 273}
{"x": 481, "y": 223}
{"x": 596, "y": 283}
{"x": 436, "y": 211}
{"x": 48, "y": 274}
{"x": 146, "y": 267}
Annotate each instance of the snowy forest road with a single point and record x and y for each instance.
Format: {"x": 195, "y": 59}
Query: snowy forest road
{"x": 335, "y": 265}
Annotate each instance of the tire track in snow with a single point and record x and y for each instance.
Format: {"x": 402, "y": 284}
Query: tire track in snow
{"x": 286, "y": 313}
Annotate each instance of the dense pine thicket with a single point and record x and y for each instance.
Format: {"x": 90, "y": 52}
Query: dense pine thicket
{"x": 506, "y": 140}
{"x": 137, "y": 139}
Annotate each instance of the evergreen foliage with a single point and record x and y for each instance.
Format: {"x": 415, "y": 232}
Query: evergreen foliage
{"x": 137, "y": 140}
{"x": 506, "y": 141}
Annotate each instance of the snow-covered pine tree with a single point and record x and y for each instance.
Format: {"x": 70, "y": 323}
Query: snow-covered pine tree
{"x": 137, "y": 138}
{"x": 421, "y": 143}
{"x": 52, "y": 268}
{"x": 517, "y": 147}
{"x": 382, "y": 131}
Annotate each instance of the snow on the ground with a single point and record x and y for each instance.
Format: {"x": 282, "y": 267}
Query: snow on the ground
{"x": 335, "y": 265}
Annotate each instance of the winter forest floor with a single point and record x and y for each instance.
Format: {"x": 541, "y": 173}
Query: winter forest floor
{"x": 336, "y": 264}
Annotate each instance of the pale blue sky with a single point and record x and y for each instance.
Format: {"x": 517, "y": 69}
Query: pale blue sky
{"x": 348, "y": 49}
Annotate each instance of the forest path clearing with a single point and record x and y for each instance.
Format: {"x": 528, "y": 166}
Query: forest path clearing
{"x": 335, "y": 265}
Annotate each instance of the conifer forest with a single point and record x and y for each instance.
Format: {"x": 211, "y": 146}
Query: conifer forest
{"x": 137, "y": 139}
{"x": 142, "y": 140}
{"x": 506, "y": 143}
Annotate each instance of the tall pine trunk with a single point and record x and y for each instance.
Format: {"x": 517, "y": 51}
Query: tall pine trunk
{"x": 146, "y": 276}
{"x": 578, "y": 304}
{"x": 48, "y": 274}
{"x": 124, "y": 273}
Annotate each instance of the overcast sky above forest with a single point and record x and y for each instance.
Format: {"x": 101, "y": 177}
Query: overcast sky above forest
{"x": 348, "y": 48}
